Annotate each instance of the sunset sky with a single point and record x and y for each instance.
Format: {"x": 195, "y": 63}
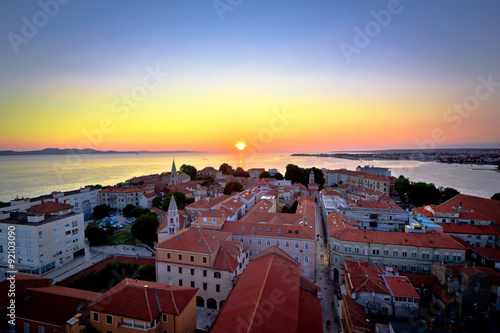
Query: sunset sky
{"x": 272, "y": 74}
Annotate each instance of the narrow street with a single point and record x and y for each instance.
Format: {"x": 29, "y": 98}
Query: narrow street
{"x": 329, "y": 300}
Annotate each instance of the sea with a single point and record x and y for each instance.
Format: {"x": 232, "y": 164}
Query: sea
{"x": 34, "y": 175}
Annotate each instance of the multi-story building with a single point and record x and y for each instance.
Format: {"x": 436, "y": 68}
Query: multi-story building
{"x": 483, "y": 206}
{"x": 450, "y": 214}
{"x": 119, "y": 197}
{"x": 381, "y": 290}
{"x": 413, "y": 252}
{"x": 333, "y": 177}
{"x": 293, "y": 233}
{"x": 488, "y": 257}
{"x": 45, "y": 239}
{"x": 370, "y": 181}
{"x": 376, "y": 215}
{"x": 475, "y": 235}
{"x": 206, "y": 259}
{"x": 144, "y": 306}
{"x": 271, "y": 296}
{"x": 83, "y": 201}
{"x": 374, "y": 170}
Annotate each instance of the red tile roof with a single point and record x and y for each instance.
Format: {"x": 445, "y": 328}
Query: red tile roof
{"x": 362, "y": 276}
{"x": 453, "y": 228}
{"x": 268, "y": 298}
{"x": 422, "y": 280}
{"x": 358, "y": 319}
{"x": 23, "y": 282}
{"x": 370, "y": 204}
{"x": 400, "y": 286}
{"x": 143, "y": 300}
{"x": 70, "y": 292}
{"x": 40, "y": 304}
{"x": 49, "y": 207}
{"x": 488, "y": 252}
{"x": 149, "y": 195}
{"x": 432, "y": 239}
{"x": 196, "y": 240}
{"x": 208, "y": 203}
{"x": 488, "y": 207}
{"x": 442, "y": 294}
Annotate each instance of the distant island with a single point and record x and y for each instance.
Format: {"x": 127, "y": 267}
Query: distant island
{"x": 57, "y": 151}
{"x": 479, "y": 156}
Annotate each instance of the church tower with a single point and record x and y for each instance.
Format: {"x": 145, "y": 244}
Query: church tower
{"x": 311, "y": 177}
{"x": 174, "y": 180}
{"x": 173, "y": 217}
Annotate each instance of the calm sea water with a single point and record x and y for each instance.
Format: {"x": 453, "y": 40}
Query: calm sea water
{"x": 29, "y": 176}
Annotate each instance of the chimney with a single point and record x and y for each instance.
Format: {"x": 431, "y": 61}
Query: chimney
{"x": 169, "y": 282}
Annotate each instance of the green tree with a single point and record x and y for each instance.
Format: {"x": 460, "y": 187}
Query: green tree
{"x": 233, "y": 187}
{"x": 226, "y": 169}
{"x": 448, "y": 193}
{"x": 101, "y": 211}
{"x": 180, "y": 200}
{"x": 239, "y": 172}
{"x": 189, "y": 170}
{"x": 207, "y": 181}
{"x": 157, "y": 202}
{"x": 424, "y": 194}
{"x": 144, "y": 228}
{"x": 278, "y": 176}
{"x": 94, "y": 234}
{"x": 402, "y": 186}
{"x": 147, "y": 273}
{"x": 319, "y": 177}
{"x": 496, "y": 196}
{"x": 265, "y": 174}
{"x": 128, "y": 208}
{"x": 294, "y": 173}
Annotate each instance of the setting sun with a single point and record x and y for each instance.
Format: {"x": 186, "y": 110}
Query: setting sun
{"x": 240, "y": 145}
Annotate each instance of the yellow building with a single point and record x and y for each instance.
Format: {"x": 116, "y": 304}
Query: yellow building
{"x": 144, "y": 306}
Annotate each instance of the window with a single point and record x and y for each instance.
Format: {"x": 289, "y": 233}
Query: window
{"x": 217, "y": 288}
{"x": 41, "y": 329}
{"x": 192, "y": 284}
{"x": 278, "y": 243}
{"x": 204, "y": 260}
{"x": 306, "y": 259}
{"x": 180, "y": 282}
{"x": 436, "y": 256}
{"x": 26, "y": 327}
{"x": 192, "y": 271}
{"x": 296, "y": 258}
{"x": 191, "y": 258}
{"x": 168, "y": 255}
{"x": 386, "y": 252}
{"x": 180, "y": 270}
{"x": 109, "y": 319}
{"x": 306, "y": 246}
{"x": 259, "y": 241}
{"x": 296, "y": 245}
{"x": 414, "y": 254}
{"x": 241, "y": 239}
{"x": 204, "y": 273}
{"x": 376, "y": 251}
{"x": 268, "y": 242}
{"x": 250, "y": 241}
{"x": 165, "y": 317}
{"x": 180, "y": 256}
{"x": 217, "y": 275}
{"x": 287, "y": 244}
{"x": 356, "y": 249}
{"x": 446, "y": 257}
{"x": 404, "y": 253}
{"x": 168, "y": 268}
{"x": 95, "y": 316}
{"x": 413, "y": 268}
{"x": 204, "y": 286}
{"x": 395, "y": 253}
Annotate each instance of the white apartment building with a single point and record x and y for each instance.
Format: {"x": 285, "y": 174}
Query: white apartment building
{"x": 43, "y": 242}
{"x": 119, "y": 197}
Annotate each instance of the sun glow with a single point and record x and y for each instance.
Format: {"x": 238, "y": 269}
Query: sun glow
{"x": 241, "y": 145}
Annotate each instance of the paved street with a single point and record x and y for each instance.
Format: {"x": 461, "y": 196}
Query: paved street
{"x": 323, "y": 280}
